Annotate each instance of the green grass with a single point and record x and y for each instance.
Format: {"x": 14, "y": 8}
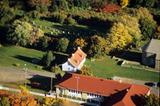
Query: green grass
{"x": 56, "y": 29}
{"x": 13, "y": 55}
{"x": 108, "y": 68}
{"x": 105, "y": 68}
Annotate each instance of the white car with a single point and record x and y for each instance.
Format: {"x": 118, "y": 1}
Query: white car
{"x": 1, "y": 87}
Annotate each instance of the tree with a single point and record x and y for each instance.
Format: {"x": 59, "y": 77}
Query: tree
{"x": 23, "y": 33}
{"x": 148, "y": 28}
{"x": 124, "y": 3}
{"x": 23, "y": 98}
{"x": 62, "y": 45}
{"x": 57, "y": 70}
{"x": 119, "y": 37}
{"x": 85, "y": 71}
{"x": 131, "y": 24}
{"x": 157, "y": 34}
{"x": 47, "y": 59}
{"x": 34, "y": 3}
{"x": 79, "y": 42}
{"x": 97, "y": 46}
{"x": 152, "y": 100}
{"x": 4, "y": 101}
{"x": 48, "y": 101}
{"x": 7, "y": 13}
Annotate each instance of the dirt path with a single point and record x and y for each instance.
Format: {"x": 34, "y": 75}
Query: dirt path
{"x": 12, "y": 74}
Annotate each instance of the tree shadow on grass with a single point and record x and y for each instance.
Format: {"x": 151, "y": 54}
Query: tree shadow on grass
{"x": 41, "y": 82}
{"x": 129, "y": 55}
{"x": 28, "y": 59}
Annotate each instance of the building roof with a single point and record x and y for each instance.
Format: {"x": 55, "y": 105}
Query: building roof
{"x": 130, "y": 98}
{"x": 92, "y": 85}
{"x": 121, "y": 94}
{"x": 152, "y": 47}
{"x": 77, "y": 57}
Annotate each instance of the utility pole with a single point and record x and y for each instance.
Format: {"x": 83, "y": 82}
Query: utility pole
{"x": 25, "y": 71}
{"x": 51, "y": 84}
{"x": 77, "y": 81}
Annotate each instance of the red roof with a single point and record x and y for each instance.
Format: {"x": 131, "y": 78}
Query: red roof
{"x": 135, "y": 90}
{"x": 93, "y": 85}
{"x": 121, "y": 94}
{"x": 77, "y": 57}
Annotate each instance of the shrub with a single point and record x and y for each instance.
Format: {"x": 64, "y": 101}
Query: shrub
{"x": 16, "y": 64}
{"x": 152, "y": 100}
{"x": 70, "y": 21}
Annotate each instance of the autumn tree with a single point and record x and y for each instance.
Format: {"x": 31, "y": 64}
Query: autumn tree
{"x": 79, "y": 42}
{"x": 85, "y": 70}
{"x": 97, "y": 46}
{"x": 48, "y": 101}
{"x": 131, "y": 23}
{"x": 124, "y": 3}
{"x": 23, "y": 33}
{"x": 23, "y": 98}
{"x": 119, "y": 37}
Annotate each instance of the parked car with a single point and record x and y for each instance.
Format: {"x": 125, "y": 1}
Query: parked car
{"x": 151, "y": 84}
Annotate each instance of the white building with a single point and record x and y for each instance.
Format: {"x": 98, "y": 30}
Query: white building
{"x": 75, "y": 62}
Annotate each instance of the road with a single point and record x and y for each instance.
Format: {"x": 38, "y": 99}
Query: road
{"x": 12, "y": 74}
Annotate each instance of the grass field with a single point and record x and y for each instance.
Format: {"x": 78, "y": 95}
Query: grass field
{"x": 56, "y": 29}
{"x": 105, "y": 68}
{"x": 108, "y": 68}
{"x": 18, "y": 56}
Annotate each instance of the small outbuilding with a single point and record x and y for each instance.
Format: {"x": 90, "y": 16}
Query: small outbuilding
{"x": 75, "y": 62}
{"x": 151, "y": 54}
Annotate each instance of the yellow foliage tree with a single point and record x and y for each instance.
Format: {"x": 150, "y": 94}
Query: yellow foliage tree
{"x": 23, "y": 98}
{"x": 132, "y": 25}
{"x": 119, "y": 37}
{"x": 48, "y": 101}
{"x": 79, "y": 42}
{"x": 124, "y": 3}
{"x": 86, "y": 71}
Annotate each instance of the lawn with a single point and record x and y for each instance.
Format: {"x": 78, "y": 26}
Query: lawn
{"x": 105, "y": 67}
{"x": 18, "y": 56}
{"x": 56, "y": 29}
{"x": 108, "y": 68}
